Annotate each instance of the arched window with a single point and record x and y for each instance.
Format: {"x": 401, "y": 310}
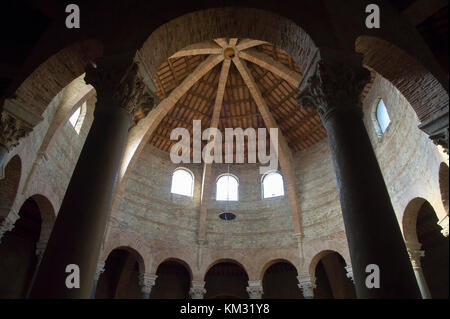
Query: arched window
{"x": 74, "y": 118}
{"x": 272, "y": 185}
{"x": 182, "y": 182}
{"x": 77, "y": 118}
{"x": 227, "y": 188}
{"x": 382, "y": 116}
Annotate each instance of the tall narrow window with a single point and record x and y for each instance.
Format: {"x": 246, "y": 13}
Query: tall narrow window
{"x": 382, "y": 116}
{"x": 227, "y": 188}
{"x": 272, "y": 185}
{"x": 182, "y": 182}
{"x": 74, "y": 118}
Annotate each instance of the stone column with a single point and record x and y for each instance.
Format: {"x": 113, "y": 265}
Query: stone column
{"x": 98, "y": 272}
{"x": 306, "y": 285}
{"x": 16, "y": 123}
{"x": 332, "y": 86}
{"x": 8, "y": 222}
{"x": 415, "y": 255}
{"x": 349, "y": 272}
{"x": 255, "y": 289}
{"x": 197, "y": 290}
{"x": 80, "y": 225}
{"x": 147, "y": 281}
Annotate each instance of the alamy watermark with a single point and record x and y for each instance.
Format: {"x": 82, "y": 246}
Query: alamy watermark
{"x": 180, "y": 152}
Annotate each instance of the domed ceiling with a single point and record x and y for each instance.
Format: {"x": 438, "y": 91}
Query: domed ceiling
{"x": 249, "y": 69}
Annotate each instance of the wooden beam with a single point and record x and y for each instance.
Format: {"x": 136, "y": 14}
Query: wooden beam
{"x": 197, "y": 49}
{"x": 276, "y": 67}
{"x": 284, "y": 152}
{"x": 222, "y": 42}
{"x": 140, "y": 134}
{"x": 248, "y": 43}
{"x": 207, "y": 169}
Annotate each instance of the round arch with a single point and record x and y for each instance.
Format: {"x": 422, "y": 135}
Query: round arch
{"x": 225, "y": 260}
{"x": 179, "y": 261}
{"x": 407, "y": 74}
{"x": 274, "y": 261}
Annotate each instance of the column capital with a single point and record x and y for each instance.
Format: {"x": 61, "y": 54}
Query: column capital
{"x": 118, "y": 84}
{"x": 334, "y": 81}
{"x": 255, "y": 289}
{"x": 414, "y": 256}
{"x": 307, "y": 285}
{"x": 444, "y": 224}
{"x": 147, "y": 281}
{"x": 349, "y": 272}
{"x": 197, "y": 290}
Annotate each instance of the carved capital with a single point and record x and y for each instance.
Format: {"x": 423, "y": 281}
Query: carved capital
{"x": 118, "y": 85}
{"x": 349, "y": 271}
{"x": 307, "y": 285}
{"x": 147, "y": 281}
{"x": 334, "y": 82}
{"x": 197, "y": 290}
{"x": 255, "y": 289}
{"x": 12, "y": 130}
{"x": 414, "y": 256}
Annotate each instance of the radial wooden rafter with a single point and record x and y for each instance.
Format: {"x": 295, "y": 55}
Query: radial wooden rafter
{"x": 284, "y": 152}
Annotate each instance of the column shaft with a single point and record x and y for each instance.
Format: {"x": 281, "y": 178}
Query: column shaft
{"x": 80, "y": 225}
{"x": 373, "y": 232}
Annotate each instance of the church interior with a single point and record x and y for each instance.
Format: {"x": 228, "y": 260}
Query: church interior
{"x": 94, "y": 206}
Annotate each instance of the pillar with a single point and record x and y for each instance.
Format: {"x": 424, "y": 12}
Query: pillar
{"x": 147, "y": 281}
{"x": 332, "y": 86}
{"x": 197, "y": 290}
{"x": 415, "y": 254}
{"x": 255, "y": 289}
{"x": 81, "y": 222}
{"x": 306, "y": 285}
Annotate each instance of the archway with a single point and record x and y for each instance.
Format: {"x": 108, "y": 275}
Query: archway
{"x": 226, "y": 280}
{"x": 18, "y": 258}
{"x": 173, "y": 280}
{"x": 330, "y": 277}
{"x": 120, "y": 280}
{"x": 280, "y": 281}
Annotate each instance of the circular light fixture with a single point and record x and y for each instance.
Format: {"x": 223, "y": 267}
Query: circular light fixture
{"x": 229, "y": 53}
{"x": 227, "y": 216}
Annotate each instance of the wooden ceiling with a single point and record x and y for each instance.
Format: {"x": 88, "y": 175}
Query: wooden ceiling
{"x": 301, "y": 128}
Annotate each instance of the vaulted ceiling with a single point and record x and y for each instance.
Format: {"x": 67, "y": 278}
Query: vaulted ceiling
{"x": 275, "y": 75}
